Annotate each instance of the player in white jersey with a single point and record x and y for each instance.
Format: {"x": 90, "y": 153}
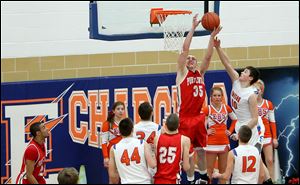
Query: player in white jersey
{"x": 146, "y": 129}
{"x": 240, "y": 103}
{"x": 130, "y": 158}
{"x": 244, "y": 101}
{"x": 243, "y": 162}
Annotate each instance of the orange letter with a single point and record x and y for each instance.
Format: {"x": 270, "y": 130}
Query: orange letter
{"x": 98, "y": 101}
{"x": 78, "y": 99}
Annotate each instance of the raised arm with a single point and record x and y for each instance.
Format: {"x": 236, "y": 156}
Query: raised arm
{"x": 210, "y": 48}
{"x": 253, "y": 110}
{"x": 181, "y": 62}
{"x": 225, "y": 61}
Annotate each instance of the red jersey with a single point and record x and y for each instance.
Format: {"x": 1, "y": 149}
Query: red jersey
{"x": 168, "y": 155}
{"x": 191, "y": 94}
{"x": 266, "y": 112}
{"x": 34, "y": 152}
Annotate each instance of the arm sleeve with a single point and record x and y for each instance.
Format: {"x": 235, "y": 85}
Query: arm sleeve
{"x": 271, "y": 116}
{"x": 105, "y": 139}
{"x": 233, "y": 118}
{"x": 31, "y": 153}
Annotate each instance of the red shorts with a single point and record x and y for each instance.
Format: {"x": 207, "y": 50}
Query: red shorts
{"x": 194, "y": 128}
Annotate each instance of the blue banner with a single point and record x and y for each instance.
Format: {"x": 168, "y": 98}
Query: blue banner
{"x": 75, "y": 109}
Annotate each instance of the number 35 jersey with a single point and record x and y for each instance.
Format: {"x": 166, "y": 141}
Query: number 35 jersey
{"x": 191, "y": 94}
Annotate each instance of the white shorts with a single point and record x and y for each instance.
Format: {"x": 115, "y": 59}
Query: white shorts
{"x": 217, "y": 148}
{"x": 267, "y": 141}
{"x": 257, "y": 132}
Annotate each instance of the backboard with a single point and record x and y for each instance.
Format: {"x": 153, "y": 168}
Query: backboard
{"x": 130, "y": 20}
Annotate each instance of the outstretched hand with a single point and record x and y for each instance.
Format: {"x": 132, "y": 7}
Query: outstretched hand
{"x": 216, "y": 31}
{"x": 196, "y": 21}
{"x": 217, "y": 42}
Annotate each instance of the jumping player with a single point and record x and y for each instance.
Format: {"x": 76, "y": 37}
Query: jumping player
{"x": 244, "y": 102}
{"x": 191, "y": 94}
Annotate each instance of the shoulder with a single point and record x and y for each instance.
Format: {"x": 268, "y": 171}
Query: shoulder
{"x": 271, "y": 107}
{"x": 185, "y": 139}
{"x": 31, "y": 148}
{"x": 236, "y": 82}
{"x": 228, "y": 108}
{"x": 105, "y": 126}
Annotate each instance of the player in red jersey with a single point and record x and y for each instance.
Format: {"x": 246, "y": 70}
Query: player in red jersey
{"x": 191, "y": 95}
{"x": 266, "y": 112}
{"x": 170, "y": 149}
{"x": 33, "y": 165}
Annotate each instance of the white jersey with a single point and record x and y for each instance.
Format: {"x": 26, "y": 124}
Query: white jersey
{"x": 146, "y": 130}
{"x": 239, "y": 102}
{"x": 131, "y": 162}
{"x": 246, "y": 165}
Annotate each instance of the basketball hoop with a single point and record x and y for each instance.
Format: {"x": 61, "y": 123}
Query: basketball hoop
{"x": 174, "y": 26}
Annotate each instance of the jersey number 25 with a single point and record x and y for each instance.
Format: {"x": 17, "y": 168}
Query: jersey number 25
{"x": 167, "y": 154}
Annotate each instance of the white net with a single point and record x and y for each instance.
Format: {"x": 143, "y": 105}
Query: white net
{"x": 174, "y": 27}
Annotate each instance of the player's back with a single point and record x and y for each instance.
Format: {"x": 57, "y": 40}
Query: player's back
{"x": 131, "y": 162}
{"x": 169, "y": 156}
{"x": 146, "y": 130}
{"x": 246, "y": 165}
{"x": 191, "y": 94}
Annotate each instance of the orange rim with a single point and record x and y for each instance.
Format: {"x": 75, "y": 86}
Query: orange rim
{"x": 172, "y": 12}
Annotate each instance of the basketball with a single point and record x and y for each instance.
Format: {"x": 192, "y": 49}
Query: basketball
{"x": 210, "y": 20}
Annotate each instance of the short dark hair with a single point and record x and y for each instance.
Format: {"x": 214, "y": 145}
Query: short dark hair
{"x": 254, "y": 73}
{"x": 245, "y": 133}
{"x": 126, "y": 127}
{"x": 145, "y": 111}
{"x": 172, "y": 122}
{"x": 34, "y": 128}
{"x": 68, "y": 176}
